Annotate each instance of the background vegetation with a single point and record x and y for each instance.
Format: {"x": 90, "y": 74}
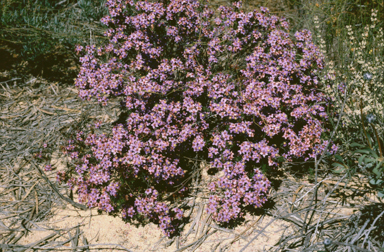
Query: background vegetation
{"x": 39, "y": 36}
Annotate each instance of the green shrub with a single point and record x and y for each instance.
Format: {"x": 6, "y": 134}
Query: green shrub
{"x": 44, "y": 33}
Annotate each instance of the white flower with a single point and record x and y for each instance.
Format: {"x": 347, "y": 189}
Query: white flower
{"x": 367, "y": 76}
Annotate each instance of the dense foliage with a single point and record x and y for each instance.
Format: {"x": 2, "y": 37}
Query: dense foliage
{"x": 234, "y": 90}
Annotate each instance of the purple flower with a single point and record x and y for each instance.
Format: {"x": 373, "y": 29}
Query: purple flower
{"x": 178, "y": 107}
{"x": 198, "y": 143}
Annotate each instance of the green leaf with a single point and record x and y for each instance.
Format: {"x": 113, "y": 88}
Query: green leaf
{"x": 361, "y": 151}
{"x": 367, "y": 151}
{"x": 374, "y": 154}
{"x": 357, "y": 144}
{"x": 339, "y": 165}
{"x": 361, "y": 159}
{"x": 381, "y": 194}
{"x": 343, "y": 168}
{"x": 338, "y": 157}
{"x": 376, "y": 171}
{"x": 369, "y": 160}
{"x": 372, "y": 181}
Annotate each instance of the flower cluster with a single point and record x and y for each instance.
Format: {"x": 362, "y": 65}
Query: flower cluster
{"x": 187, "y": 89}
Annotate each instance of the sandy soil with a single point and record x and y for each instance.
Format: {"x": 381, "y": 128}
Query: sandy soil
{"x": 106, "y": 229}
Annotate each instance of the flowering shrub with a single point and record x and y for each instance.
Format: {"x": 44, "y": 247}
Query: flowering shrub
{"x": 358, "y": 88}
{"x": 360, "y": 74}
{"x": 234, "y": 90}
